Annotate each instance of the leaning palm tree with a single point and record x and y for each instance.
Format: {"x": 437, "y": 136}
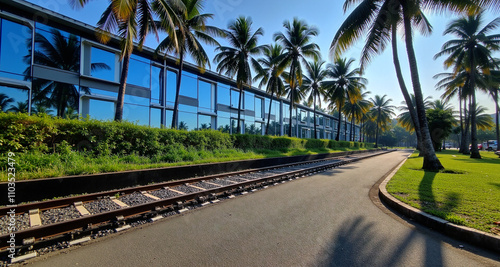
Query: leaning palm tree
{"x": 269, "y": 73}
{"x": 381, "y": 112}
{"x": 4, "y": 101}
{"x": 190, "y": 29}
{"x": 236, "y": 60}
{"x": 132, "y": 20}
{"x": 471, "y": 50}
{"x": 313, "y": 86}
{"x": 345, "y": 84}
{"x": 296, "y": 41}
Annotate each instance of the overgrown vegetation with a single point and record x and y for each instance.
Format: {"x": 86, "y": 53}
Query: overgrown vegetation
{"x": 51, "y": 147}
{"x": 466, "y": 193}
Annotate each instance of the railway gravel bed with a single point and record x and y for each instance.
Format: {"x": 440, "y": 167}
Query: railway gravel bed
{"x": 205, "y": 185}
{"x": 186, "y": 189}
{"x": 22, "y": 221}
{"x": 223, "y": 182}
{"x": 59, "y": 215}
{"x": 135, "y": 198}
{"x": 102, "y": 205}
{"x": 164, "y": 193}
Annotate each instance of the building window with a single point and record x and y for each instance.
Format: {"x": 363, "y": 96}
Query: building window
{"x": 14, "y": 99}
{"x": 249, "y": 101}
{"x": 136, "y": 114}
{"x": 103, "y": 64}
{"x": 235, "y": 98}
{"x": 223, "y": 125}
{"x": 223, "y": 96}
{"x": 98, "y": 109}
{"x": 139, "y": 71}
{"x": 156, "y": 118}
{"x": 15, "y": 50}
{"x": 206, "y": 100}
{"x": 187, "y": 121}
{"x": 258, "y": 108}
{"x": 57, "y": 49}
{"x": 157, "y": 85}
{"x": 303, "y": 116}
{"x": 204, "y": 122}
{"x": 189, "y": 86}
{"x": 171, "y": 87}
{"x": 55, "y": 98}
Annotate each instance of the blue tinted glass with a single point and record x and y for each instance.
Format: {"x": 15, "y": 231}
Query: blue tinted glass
{"x": 101, "y": 110}
{"x": 168, "y": 118}
{"x": 187, "y": 121}
{"x": 189, "y": 86}
{"x": 103, "y": 64}
{"x": 138, "y": 73}
{"x": 136, "y": 100}
{"x": 258, "y": 128}
{"x": 66, "y": 46}
{"x": 14, "y": 47}
{"x": 156, "y": 85}
{"x": 135, "y": 113}
{"x": 13, "y": 99}
{"x": 249, "y": 101}
{"x": 54, "y": 98}
{"x": 188, "y": 108}
{"x": 171, "y": 82}
{"x": 205, "y": 100}
{"x": 235, "y": 98}
{"x": 223, "y": 125}
{"x": 204, "y": 122}
{"x": 286, "y": 111}
{"x": 223, "y": 114}
{"x": 223, "y": 95}
{"x": 93, "y": 91}
{"x": 155, "y": 118}
{"x": 258, "y": 108}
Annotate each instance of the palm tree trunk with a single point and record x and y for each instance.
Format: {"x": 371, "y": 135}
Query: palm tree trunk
{"x": 337, "y": 138}
{"x": 497, "y": 109}
{"x": 461, "y": 118}
{"x": 404, "y": 89}
{"x": 315, "y": 131}
{"x": 238, "y": 127}
{"x": 121, "y": 88}
{"x": 431, "y": 162}
{"x": 352, "y": 127}
{"x": 292, "y": 97}
{"x": 464, "y": 148}
{"x": 473, "y": 130}
{"x": 175, "y": 115}
{"x": 376, "y": 132}
{"x": 269, "y": 114}
{"x": 345, "y": 128}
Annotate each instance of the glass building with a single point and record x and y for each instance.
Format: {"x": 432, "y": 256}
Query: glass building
{"x": 53, "y": 64}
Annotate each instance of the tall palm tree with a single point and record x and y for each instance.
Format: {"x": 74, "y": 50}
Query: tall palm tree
{"x": 132, "y": 20}
{"x": 297, "y": 43}
{"x": 20, "y": 107}
{"x": 236, "y": 60}
{"x": 346, "y": 84}
{"x": 313, "y": 86}
{"x": 4, "y": 101}
{"x": 382, "y": 113}
{"x": 356, "y": 108}
{"x": 293, "y": 92}
{"x": 471, "y": 50}
{"x": 269, "y": 73}
{"x": 61, "y": 53}
{"x": 190, "y": 29}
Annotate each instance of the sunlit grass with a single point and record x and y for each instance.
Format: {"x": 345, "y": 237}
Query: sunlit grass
{"x": 467, "y": 192}
{"x": 36, "y": 165}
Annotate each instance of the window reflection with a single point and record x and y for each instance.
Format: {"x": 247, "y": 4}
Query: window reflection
{"x": 235, "y": 98}
{"x": 223, "y": 125}
{"x": 139, "y": 72}
{"x": 13, "y": 99}
{"x": 189, "y": 86}
{"x": 204, "y": 122}
{"x": 57, "y": 49}
{"x": 156, "y": 117}
{"x": 135, "y": 113}
{"x": 249, "y": 101}
{"x": 157, "y": 85}
{"x": 171, "y": 82}
{"x": 258, "y": 108}
{"x": 15, "y": 50}
{"x": 187, "y": 121}
{"x": 100, "y": 109}
{"x": 206, "y": 96}
{"x": 55, "y": 98}
{"x": 102, "y": 64}
{"x": 223, "y": 96}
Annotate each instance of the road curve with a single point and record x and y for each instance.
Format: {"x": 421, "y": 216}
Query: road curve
{"x": 327, "y": 219}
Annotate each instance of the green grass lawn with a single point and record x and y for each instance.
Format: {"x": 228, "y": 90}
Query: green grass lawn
{"x": 34, "y": 165}
{"x": 467, "y": 192}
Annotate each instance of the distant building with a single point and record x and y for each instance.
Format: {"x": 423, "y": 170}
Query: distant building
{"x": 53, "y": 64}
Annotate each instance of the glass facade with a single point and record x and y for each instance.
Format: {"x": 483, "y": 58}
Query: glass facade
{"x": 62, "y": 73}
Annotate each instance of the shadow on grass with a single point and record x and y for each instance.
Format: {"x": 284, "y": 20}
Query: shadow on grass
{"x": 359, "y": 243}
{"x": 496, "y": 184}
{"x": 428, "y": 201}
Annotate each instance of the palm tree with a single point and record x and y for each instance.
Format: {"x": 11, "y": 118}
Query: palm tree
{"x": 313, "y": 86}
{"x": 297, "y": 43}
{"x": 346, "y": 85}
{"x": 20, "y": 107}
{"x": 269, "y": 73}
{"x": 356, "y": 108}
{"x": 61, "y": 53}
{"x": 471, "y": 50}
{"x": 132, "y": 20}
{"x": 4, "y": 101}
{"x": 236, "y": 60}
{"x": 190, "y": 28}
{"x": 293, "y": 92}
{"x": 381, "y": 112}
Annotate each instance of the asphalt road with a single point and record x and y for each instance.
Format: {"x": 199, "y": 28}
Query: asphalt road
{"x": 326, "y": 219}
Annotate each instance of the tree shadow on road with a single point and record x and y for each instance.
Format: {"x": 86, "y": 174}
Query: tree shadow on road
{"x": 358, "y": 243}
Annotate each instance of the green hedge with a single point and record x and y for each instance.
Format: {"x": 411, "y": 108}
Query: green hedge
{"x": 23, "y": 133}
{"x": 245, "y": 141}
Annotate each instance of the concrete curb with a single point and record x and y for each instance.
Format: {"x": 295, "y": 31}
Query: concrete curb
{"x": 473, "y": 236}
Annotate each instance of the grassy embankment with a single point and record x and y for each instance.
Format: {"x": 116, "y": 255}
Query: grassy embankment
{"x": 52, "y": 147}
{"x": 466, "y": 193}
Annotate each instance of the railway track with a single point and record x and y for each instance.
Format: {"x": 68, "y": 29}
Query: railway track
{"x": 67, "y": 221}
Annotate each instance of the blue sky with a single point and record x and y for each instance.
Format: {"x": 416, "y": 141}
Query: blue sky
{"x": 327, "y": 16}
